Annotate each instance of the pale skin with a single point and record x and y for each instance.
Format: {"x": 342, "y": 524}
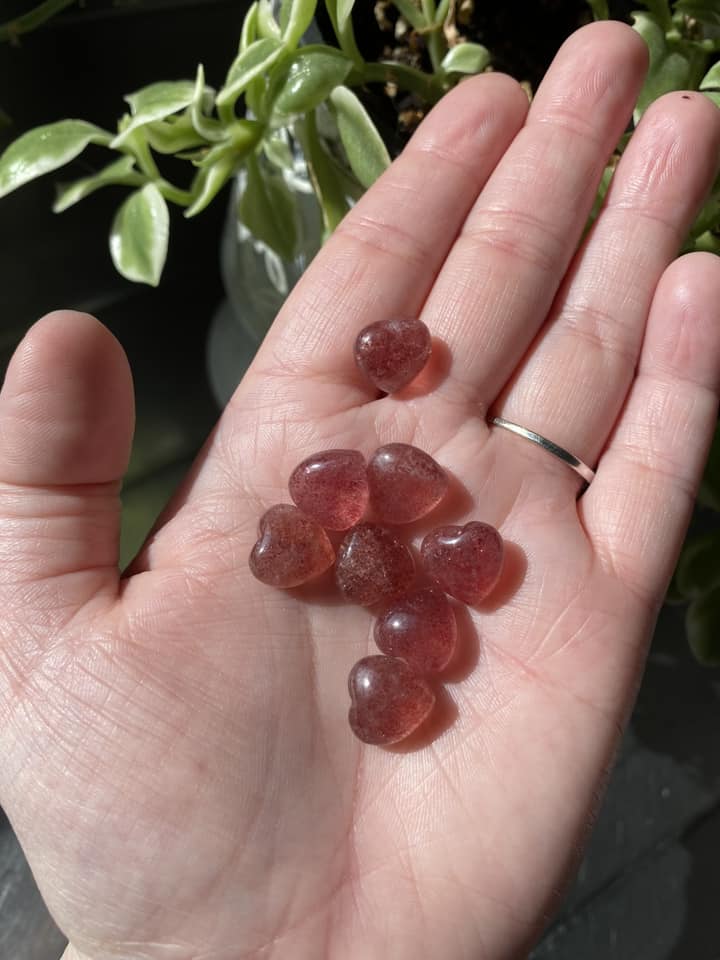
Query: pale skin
{"x": 176, "y": 758}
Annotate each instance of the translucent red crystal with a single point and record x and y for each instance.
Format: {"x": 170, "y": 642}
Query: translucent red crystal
{"x": 465, "y": 561}
{"x": 405, "y": 483}
{"x": 331, "y": 488}
{"x": 388, "y": 700}
{"x": 391, "y": 353}
{"x": 290, "y": 548}
{"x": 372, "y": 565}
{"x": 420, "y": 629}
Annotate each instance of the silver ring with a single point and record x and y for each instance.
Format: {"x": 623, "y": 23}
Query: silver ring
{"x": 577, "y": 465}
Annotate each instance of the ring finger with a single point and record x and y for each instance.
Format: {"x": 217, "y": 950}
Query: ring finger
{"x": 499, "y": 280}
{"x": 572, "y": 383}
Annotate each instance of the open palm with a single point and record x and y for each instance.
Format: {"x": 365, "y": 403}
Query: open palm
{"x": 176, "y": 757}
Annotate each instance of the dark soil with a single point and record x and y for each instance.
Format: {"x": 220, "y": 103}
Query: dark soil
{"x": 522, "y": 36}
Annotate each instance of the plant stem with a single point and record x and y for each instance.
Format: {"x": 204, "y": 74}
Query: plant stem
{"x": 346, "y": 36}
{"x": 140, "y": 149}
{"x": 226, "y": 112}
{"x": 435, "y": 46}
{"x": 26, "y": 22}
{"x": 426, "y": 23}
{"x": 411, "y": 13}
{"x": 442, "y": 11}
{"x": 182, "y": 197}
{"x": 406, "y": 78}
{"x": 142, "y": 153}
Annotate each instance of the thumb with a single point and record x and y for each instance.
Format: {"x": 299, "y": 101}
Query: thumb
{"x": 66, "y": 422}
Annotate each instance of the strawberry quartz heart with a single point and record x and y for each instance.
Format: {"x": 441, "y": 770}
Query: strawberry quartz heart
{"x": 388, "y": 700}
{"x": 290, "y": 548}
{"x": 331, "y": 488}
{"x": 391, "y": 353}
{"x": 465, "y": 561}
{"x": 372, "y": 565}
{"x": 420, "y": 629}
{"x": 405, "y": 483}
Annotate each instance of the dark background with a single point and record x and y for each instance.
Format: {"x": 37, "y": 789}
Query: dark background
{"x": 648, "y": 888}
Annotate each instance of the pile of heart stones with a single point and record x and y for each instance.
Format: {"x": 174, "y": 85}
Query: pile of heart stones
{"x": 334, "y": 490}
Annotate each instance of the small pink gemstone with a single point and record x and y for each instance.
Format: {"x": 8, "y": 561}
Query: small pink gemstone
{"x": 465, "y": 561}
{"x": 372, "y": 565}
{"x": 331, "y": 488}
{"x": 388, "y": 700}
{"x": 420, "y": 629}
{"x": 391, "y": 353}
{"x": 405, "y": 483}
{"x": 290, "y": 548}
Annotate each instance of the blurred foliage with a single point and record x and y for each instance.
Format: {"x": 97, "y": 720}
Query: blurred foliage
{"x": 296, "y": 99}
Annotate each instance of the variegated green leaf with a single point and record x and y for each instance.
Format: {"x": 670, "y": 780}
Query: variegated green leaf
{"x": 122, "y": 171}
{"x": 366, "y": 152}
{"x": 669, "y": 69}
{"x": 202, "y": 100}
{"x": 155, "y": 102}
{"x": 344, "y": 10}
{"x": 209, "y": 182}
{"x": 269, "y": 210}
{"x": 249, "y": 32}
{"x": 299, "y": 16}
{"x": 277, "y": 151}
{"x": 466, "y": 58}
{"x": 328, "y": 185}
{"x": 44, "y": 149}
{"x": 139, "y": 236}
{"x": 267, "y": 25}
{"x": 309, "y": 80}
{"x": 251, "y": 63}
{"x": 173, "y": 135}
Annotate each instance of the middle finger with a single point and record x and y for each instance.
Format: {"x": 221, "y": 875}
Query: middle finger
{"x": 500, "y": 278}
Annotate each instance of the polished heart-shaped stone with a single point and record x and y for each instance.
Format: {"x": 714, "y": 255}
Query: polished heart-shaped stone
{"x": 331, "y": 488}
{"x": 405, "y": 483}
{"x": 388, "y": 700}
{"x": 391, "y": 353}
{"x": 420, "y": 629}
{"x": 465, "y": 562}
{"x": 290, "y": 548}
{"x": 372, "y": 565}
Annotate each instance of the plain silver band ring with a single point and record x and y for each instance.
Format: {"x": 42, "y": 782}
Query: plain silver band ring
{"x": 577, "y": 465}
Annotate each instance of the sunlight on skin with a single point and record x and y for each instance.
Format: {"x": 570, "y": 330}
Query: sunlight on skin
{"x": 176, "y": 757}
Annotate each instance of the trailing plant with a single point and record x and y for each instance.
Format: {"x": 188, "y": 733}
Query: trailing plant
{"x": 293, "y": 94}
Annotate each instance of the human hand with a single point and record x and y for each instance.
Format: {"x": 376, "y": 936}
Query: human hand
{"x": 177, "y": 762}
